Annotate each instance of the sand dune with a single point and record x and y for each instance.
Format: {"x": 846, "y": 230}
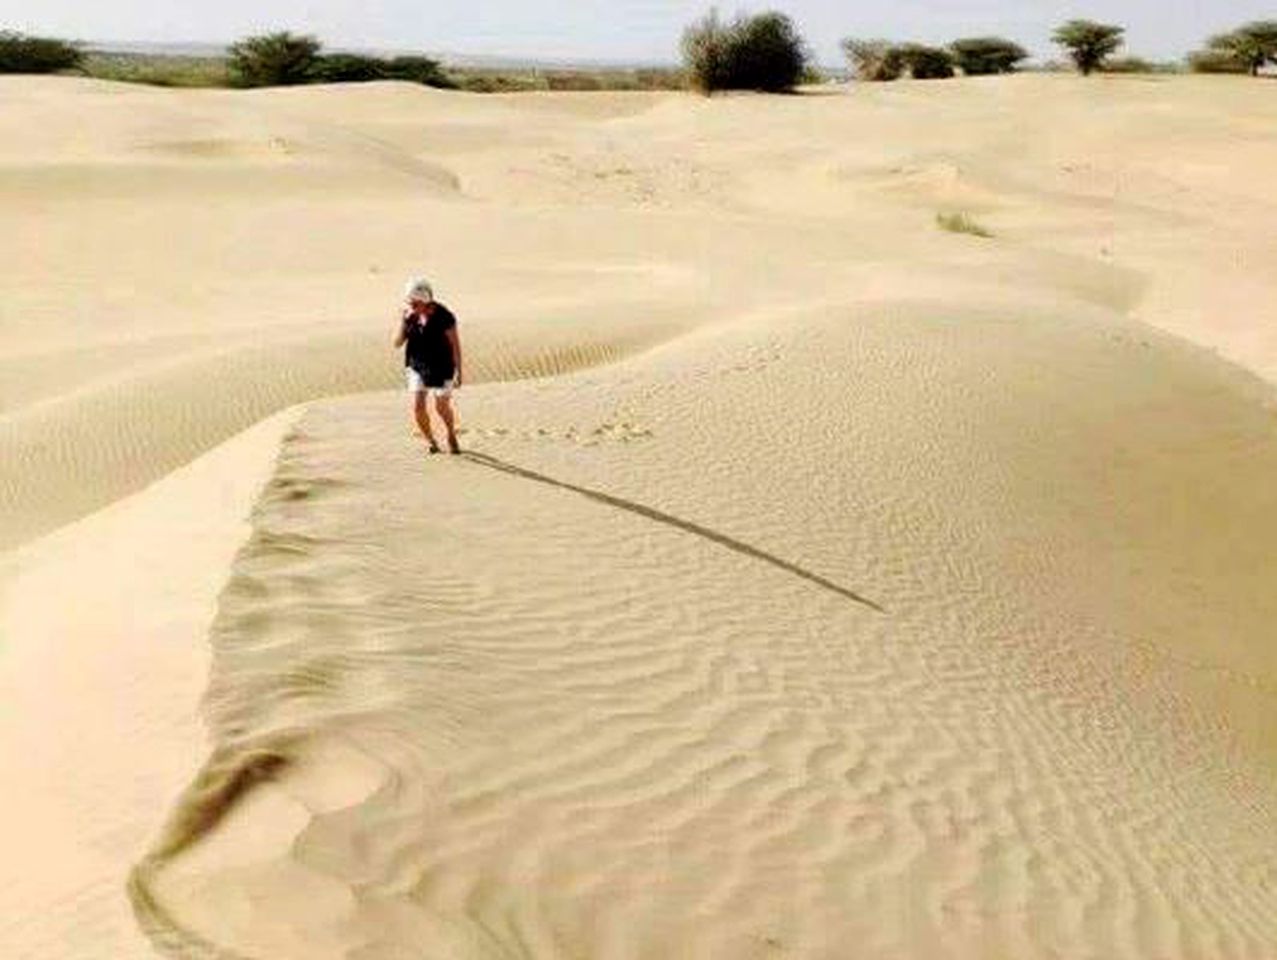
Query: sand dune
{"x": 820, "y": 583}
{"x": 914, "y": 683}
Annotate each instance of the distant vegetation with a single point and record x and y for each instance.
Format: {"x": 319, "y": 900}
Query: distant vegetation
{"x": 531, "y": 79}
{"x": 762, "y": 52}
{"x": 23, "y": 54}
{"x": 354, "y": 68}
{"x": 1140, "y": 65}
{"x": 157, "y": 71}
{"x": 981, "y": 56}
{"x": 882, "y": 60}
{"x": 1090, "y": 47}
{"x": 1089, "y": 44}
{"x": 1248, "y": 49}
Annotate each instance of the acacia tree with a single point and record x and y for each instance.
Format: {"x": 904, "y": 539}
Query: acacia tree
{"x": 980, "y": 56}
{"x": 1251, "y": 46}
{"x": 1089, "y": 43}
{"x": 274, "y": 59}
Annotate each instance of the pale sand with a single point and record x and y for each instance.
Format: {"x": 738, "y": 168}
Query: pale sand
{"x": 887, "y": 592}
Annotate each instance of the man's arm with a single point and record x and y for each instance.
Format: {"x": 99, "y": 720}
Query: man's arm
{"x": 401, "y": 332}
{"x": 454, "y": 341}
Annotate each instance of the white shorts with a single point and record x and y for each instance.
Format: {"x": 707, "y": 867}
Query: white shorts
{"x": 418, "y": 385}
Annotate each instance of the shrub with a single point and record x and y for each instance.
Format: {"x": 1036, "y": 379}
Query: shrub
{"x": 659, "y": 78}
{"x": 158, "y": 71}
{"x": 22, "y": 54}
{"x": 762, "y": 52}
{"x": 274, "y": 59}
{"x": 874, "y": 60}
{"x": 417, "y": 69}
{"x": 1216, "y": 61}
{"x": 1089, "y": 43}
{"x": 705, "y": 53}
{"x": 480, "y": 82}
{"x": 961, "y": 223}
{"x": 981, "y": 56}
{"x": 580, "y": 81}
{"x": 1140, "y": 65}
{"x": 346, "y": 68}
{"x": 926, "y": 63}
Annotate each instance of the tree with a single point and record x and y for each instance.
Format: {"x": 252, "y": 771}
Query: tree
{"x": 762, "y": 52}
{"x": 874, "y": 60}
{"x": 273, "y": 59}
{"x": 980, "y": 56}
{"x": 926, "y": 63}
{"x": 1251, "y": 45}
{"x": 22, "y": 54}
{"x": 1089, "y": 43}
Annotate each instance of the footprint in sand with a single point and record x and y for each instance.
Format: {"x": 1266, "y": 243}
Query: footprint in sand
{"x": 606, "y": 432}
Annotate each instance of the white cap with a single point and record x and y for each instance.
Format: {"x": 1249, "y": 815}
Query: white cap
{"x": 419, "y": 289}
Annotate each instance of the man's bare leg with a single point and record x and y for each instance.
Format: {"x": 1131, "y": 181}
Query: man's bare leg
{"x": 422, "y": 415}
{"x": 443, "y": 403}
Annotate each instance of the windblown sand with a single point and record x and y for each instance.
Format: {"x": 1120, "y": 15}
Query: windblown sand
{"x": 818, "y": 583}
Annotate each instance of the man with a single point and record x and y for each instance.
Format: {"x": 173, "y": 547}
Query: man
{"x": 432, "y": 359}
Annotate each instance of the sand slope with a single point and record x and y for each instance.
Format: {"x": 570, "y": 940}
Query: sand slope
{"x": 821, "y": 581}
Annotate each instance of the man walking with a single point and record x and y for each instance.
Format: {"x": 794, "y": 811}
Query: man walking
{"x": 432, "y": 359}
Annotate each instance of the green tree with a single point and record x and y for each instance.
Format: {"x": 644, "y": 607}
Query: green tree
{"x": 926, "y": 63}
{"x": 877, "y": 61}
{"x": 23, "y": 54}
{"x": 273, "y": 59}
{"x": 1252, "y": 45}
{"x": 762, "y": 52}
{"x": 1089, "y": 43}
{"x": 981, "y": 56}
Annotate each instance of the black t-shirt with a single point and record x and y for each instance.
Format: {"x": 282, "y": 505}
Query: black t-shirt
{"x": 427, "y": 349}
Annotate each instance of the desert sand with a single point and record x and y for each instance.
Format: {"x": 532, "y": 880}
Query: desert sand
{"x": 817, "y": 583}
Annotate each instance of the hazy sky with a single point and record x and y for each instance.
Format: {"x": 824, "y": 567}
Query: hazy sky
{"x": 621, "y": 29}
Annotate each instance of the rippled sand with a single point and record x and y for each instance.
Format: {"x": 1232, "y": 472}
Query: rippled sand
{"x": 816, "y": 583}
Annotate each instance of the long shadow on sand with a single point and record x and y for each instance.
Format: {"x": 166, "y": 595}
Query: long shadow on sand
{"x": 687, "y": 526}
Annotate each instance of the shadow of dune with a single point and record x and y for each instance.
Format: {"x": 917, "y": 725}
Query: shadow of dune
{"x": 687, "y": 526}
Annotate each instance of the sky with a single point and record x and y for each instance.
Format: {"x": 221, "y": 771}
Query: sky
{"x": 622, "y": 30}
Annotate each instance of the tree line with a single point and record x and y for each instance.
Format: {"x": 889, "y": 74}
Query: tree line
{"x": 728, "y": 56}
{"x": 266, "y": 60}
{"x": 762, "y": 52}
